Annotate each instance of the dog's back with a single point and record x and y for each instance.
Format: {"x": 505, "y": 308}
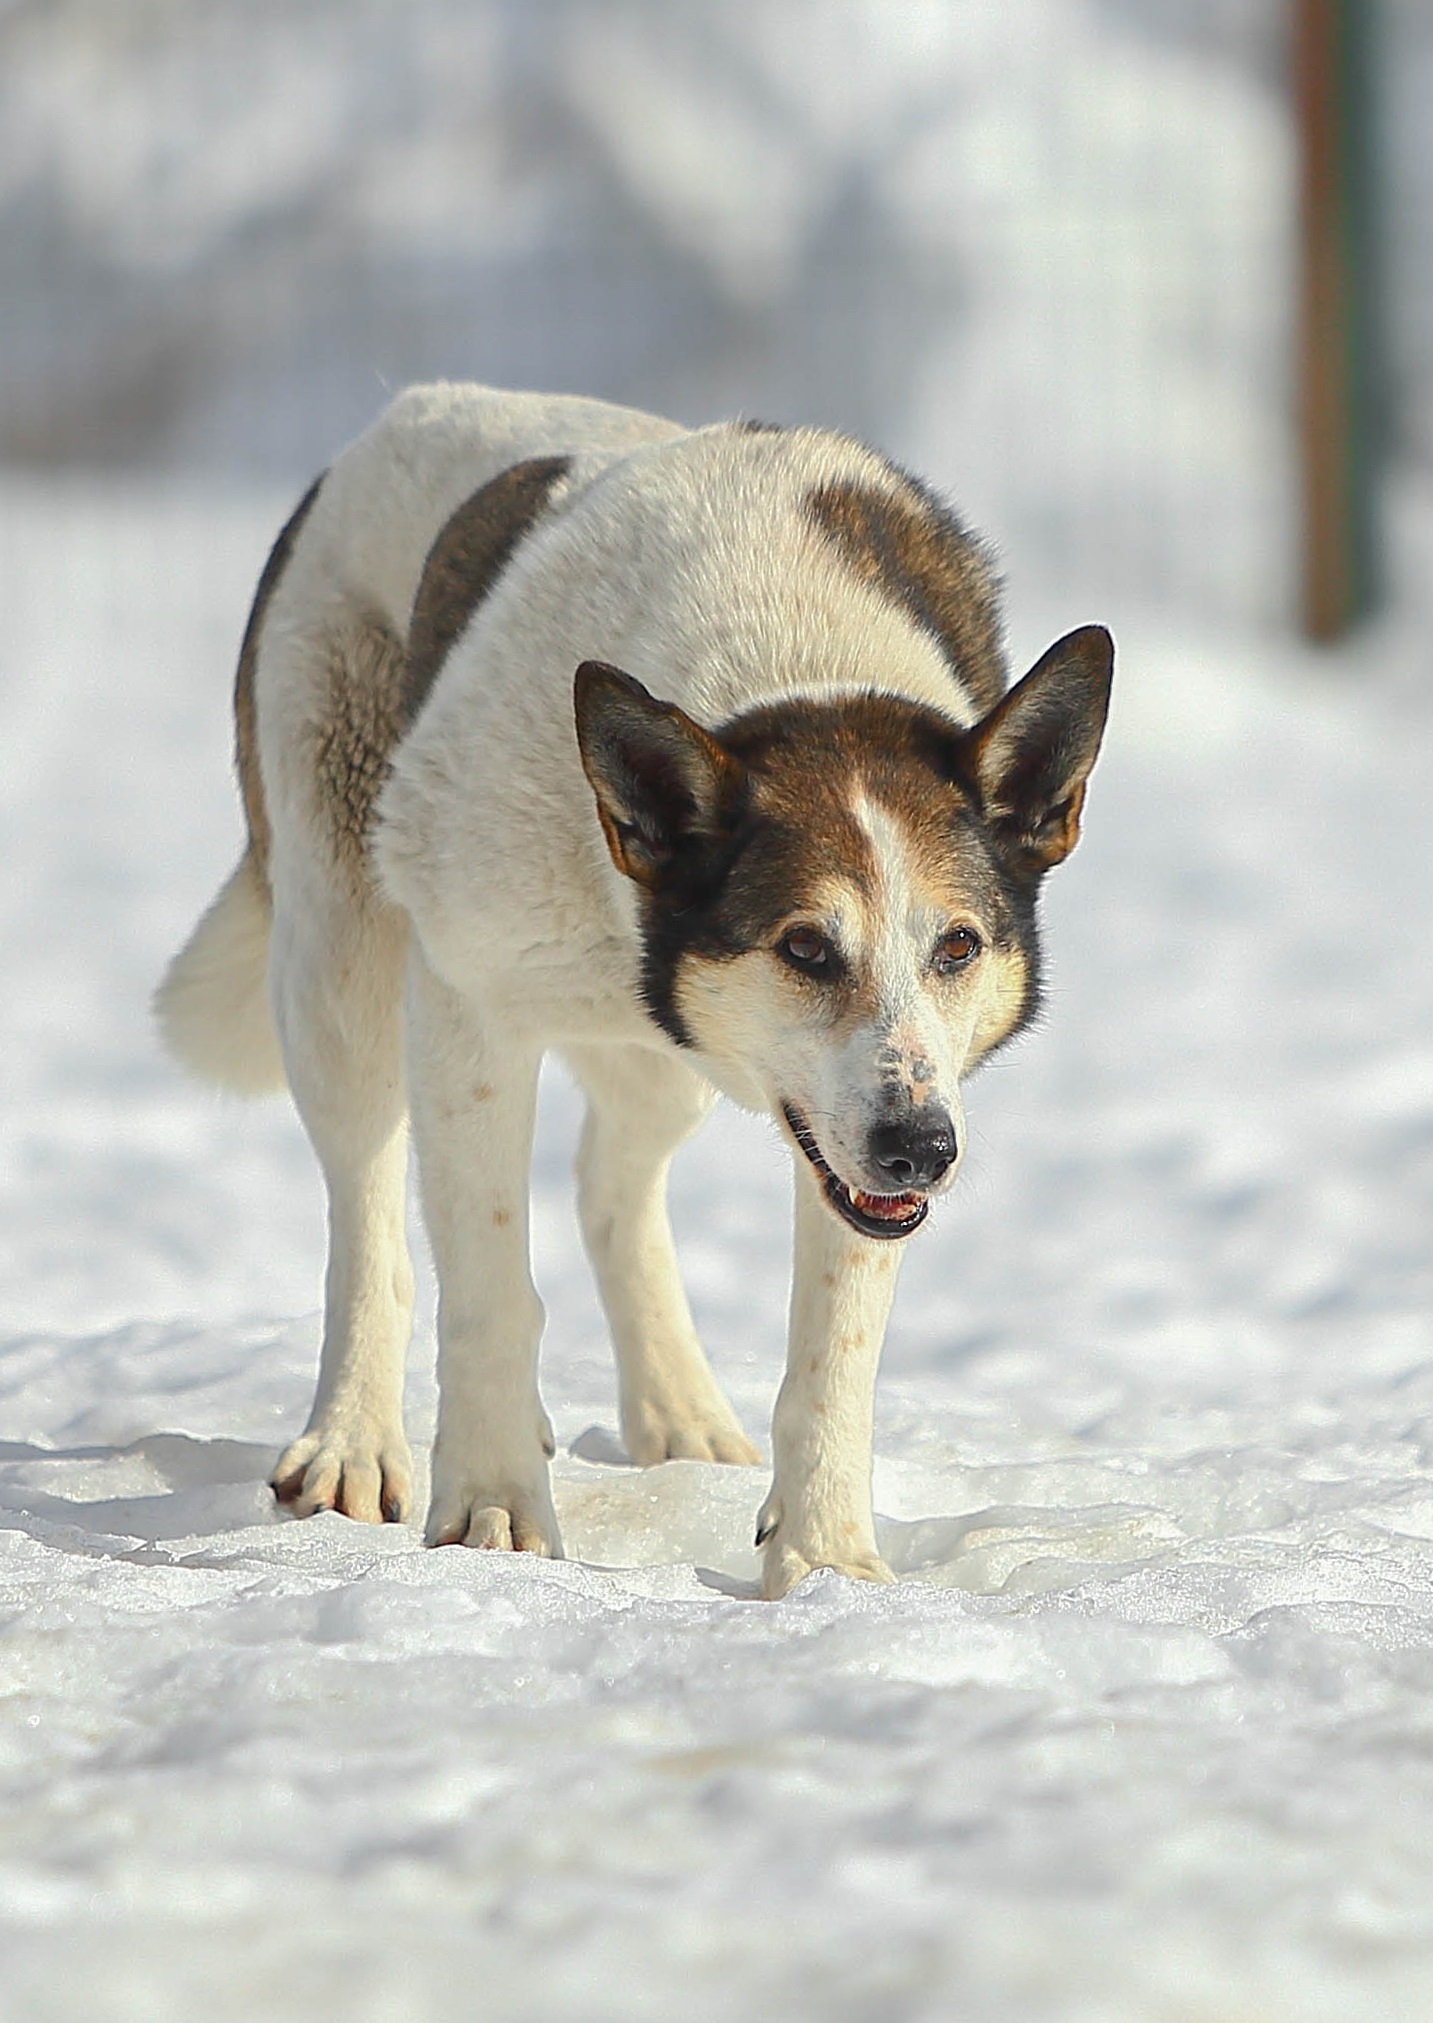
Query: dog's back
{"x": 727, "y": 567}
{"x": 327, "y": 683}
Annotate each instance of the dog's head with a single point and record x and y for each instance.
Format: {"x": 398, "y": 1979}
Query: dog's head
{"x": 838, "y": 900}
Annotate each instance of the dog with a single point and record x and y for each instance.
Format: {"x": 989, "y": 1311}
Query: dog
{"x": 687, "y": 753}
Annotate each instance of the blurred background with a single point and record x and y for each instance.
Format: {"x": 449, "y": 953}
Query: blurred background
{"x": 1052, "y": 255}
{"x": 1146, "y": 286}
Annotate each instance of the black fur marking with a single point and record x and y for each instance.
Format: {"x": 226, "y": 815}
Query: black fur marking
{"x": 246, "y": 736}
{"x": 696, "y": 911}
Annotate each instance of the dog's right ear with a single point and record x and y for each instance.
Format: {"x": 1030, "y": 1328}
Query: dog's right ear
{"x": 664, "y": 786}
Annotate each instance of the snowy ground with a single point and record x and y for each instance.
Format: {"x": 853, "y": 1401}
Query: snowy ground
{"x": 1145, "y": 1734}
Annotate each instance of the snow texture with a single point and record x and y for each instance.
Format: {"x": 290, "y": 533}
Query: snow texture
{"x": 1144, "y": 1734}
{"x": 1144, "y": 1731}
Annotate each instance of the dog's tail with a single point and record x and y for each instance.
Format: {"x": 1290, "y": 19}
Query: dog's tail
{"x": 213, "y": 1005}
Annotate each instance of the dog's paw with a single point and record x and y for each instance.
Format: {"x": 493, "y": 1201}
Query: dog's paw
{"x": 787, "y": 1561}
{"x": 494, "y": 1519}
{"x": 367, "y": 1476}
{"x": 784, "y": 1568}
{"x": 658, "y": 1429}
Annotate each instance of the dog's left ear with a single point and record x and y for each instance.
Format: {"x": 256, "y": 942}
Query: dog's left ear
{"x": 665, "y": 788}
{"x": 1031, "y": 757}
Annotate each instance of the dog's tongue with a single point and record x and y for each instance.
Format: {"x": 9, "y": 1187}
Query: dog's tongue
{"x": 886, "y": 1207}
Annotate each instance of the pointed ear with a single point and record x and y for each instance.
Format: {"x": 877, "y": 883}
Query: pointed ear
{"x": 663, "y": 784}
{"x": 1032, "y": 755}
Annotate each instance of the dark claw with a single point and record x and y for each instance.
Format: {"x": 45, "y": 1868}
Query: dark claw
{"x": 764, "y": 1531}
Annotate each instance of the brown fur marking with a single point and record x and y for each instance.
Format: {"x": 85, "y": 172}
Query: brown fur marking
{"x": 809, "y": 764}
{"x": 246, "y": 737}
{"x": 465, "y": 562}
{"x": 911, "y": 549}
{"x": 359, "y": 723}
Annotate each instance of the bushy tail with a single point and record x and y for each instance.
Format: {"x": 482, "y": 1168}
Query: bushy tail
{"x": 213, "y": 1005}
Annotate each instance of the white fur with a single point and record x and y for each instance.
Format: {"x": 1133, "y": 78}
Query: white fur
{"x": 213, "y": 1005}
{"x": 922, "y": 1034}
{"x": 819, "y": 1510}
{"x": 498, "y": 919}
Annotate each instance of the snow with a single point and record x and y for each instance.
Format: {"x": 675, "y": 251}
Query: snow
{"x": 1143, "y": 1732}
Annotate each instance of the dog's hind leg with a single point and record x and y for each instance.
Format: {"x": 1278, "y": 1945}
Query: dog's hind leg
{"x": 338, "y": 998}
{"x": 473, "y": 1077}
{"x": 641, "y": 1106}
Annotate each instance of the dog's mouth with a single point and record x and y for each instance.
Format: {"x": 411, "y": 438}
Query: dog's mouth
{"x": 886, "y": 1216}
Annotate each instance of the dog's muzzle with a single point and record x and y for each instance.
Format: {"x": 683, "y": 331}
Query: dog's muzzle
{"x": 880, "y": 1215}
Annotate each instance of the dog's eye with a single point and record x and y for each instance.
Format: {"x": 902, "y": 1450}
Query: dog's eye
{"x": 808, "y": 951}
{"x": 954, "y": 950}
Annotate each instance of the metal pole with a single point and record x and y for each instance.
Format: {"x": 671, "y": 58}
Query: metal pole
{"x": 1332, "y": 48}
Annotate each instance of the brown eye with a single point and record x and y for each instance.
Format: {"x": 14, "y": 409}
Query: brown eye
{"x": 807, "y": 951}
{"x": 956, "y": 949}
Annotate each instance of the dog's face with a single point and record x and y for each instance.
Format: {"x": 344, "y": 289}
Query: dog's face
{"x": 839, "y": 901}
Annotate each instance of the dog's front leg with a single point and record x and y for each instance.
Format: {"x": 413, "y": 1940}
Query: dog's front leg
{"x": 819, "y": 1510}
{"x": 641, "y": 1105}
{"x": 473, "y": 1084}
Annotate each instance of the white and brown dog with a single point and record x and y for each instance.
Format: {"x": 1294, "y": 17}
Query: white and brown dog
{"x": 786, "y": 847}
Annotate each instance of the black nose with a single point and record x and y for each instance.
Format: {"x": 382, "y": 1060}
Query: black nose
{"x": 914, "y": 1152}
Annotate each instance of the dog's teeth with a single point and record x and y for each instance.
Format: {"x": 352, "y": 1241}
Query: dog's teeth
{"x": 888, "y": 1207}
